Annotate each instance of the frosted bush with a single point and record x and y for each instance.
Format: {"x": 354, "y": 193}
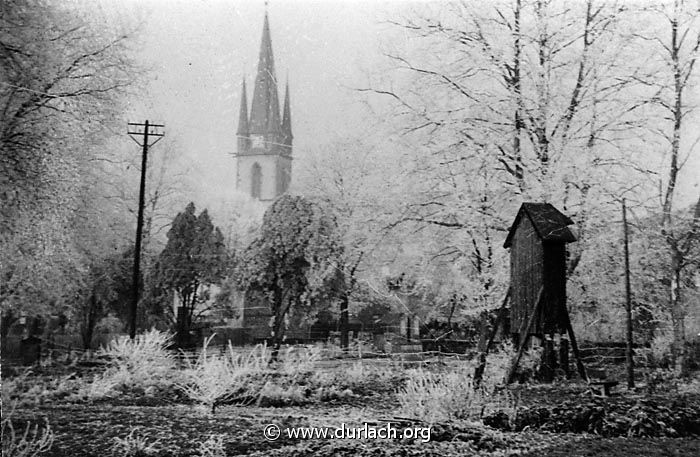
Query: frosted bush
{"x": 214, "y": 378}
{"x": 450, "y": 394}
{"x": 29, "y": 390}
{"x": 143, "y": 361}
{"x": 660, "y": 348}
{"x": 209, "y": 380}
{"x": 690, "y": 386}
{"x": 103, "y": 385}
{"x": 498, "y": 363}
{"x": 28, "y": 443}
{"x": 434, "y": 397}
{"x": 356, "y": 374}
{"x": 18, "y": 388}
{"x": 290, "y": 394}
{"x": 323, "y": 378}
{"x": 134, "y": 446}
{"x": 256, "y": 360}
{"x": 300, "y": 359}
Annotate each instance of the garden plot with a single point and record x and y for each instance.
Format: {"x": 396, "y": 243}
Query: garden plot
{"x": 219, "y": 402}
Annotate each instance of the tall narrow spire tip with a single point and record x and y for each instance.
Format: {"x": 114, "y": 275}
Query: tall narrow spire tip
{"x": 265, "y": 112}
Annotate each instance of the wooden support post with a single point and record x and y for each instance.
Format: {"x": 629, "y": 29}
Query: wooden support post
{"x": 479, "y": 371}
{"x": 523, "y": 336}
{"x": 574, "y": 346}
{"x": 564, "y": 356}
{"x": 548, "y": 360}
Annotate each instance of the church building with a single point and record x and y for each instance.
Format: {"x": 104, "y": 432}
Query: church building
{"x": 264, "y": 150}
{"x": 263, "y": 172}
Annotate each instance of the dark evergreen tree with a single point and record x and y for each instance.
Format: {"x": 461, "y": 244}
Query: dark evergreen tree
{"x": 193, "y": 258}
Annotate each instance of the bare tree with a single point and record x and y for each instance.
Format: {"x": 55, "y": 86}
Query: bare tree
{"x": 508, "y": 101}
{"x": 677, "y": 43}
{"x": 352, "y": 181}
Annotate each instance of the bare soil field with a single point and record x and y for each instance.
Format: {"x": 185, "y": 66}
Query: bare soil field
{"x": 179, "y": 430}
{"x": 561, "y": 419}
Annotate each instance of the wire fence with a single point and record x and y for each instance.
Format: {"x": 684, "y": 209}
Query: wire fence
{"x": 417, "y": 352}
{"x": 45, "y": 350}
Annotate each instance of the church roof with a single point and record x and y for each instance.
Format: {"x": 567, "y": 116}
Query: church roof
{"x": 550, "y": 224}
{"x": 243, "y": 127}
{"x": 287, "y": 116}
{"x": 265, "y": 112}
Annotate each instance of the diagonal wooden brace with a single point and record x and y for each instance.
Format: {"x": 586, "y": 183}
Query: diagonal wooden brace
{"x": 524, "y": 336}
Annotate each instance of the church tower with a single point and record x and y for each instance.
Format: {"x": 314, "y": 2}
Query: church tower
{"x": 264, "y": 150}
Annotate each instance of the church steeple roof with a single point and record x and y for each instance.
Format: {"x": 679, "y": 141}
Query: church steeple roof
{"x": 243, "y": 128}
{"x": 287, "y": 116}
{"x": 265, "y": 112}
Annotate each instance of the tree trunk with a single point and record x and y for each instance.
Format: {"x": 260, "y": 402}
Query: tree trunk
{"x": 89, "y": 322}
{"x": 190, "y": 313}
{"x": 345, "y": 300}
{"x": 541, "y": 133}
{"x": 276, "y": 338}
{"x": 278, "y": 326}
{"x": 675, "y": 300}
{"x": 677, "y": 113}
{"x": 183, "y": 320}
{"x": 344, "y": 337}
{"x": 517, "y": 86}
{"x": 677, "y": 315}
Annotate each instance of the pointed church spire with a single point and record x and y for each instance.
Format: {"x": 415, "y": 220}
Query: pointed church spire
{"x": 243, "y": 128}
{"x": 287, "y": 116}
{"x": 265, "y": 112}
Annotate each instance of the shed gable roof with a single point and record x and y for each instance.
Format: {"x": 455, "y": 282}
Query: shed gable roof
{"x": 550, "y": 224}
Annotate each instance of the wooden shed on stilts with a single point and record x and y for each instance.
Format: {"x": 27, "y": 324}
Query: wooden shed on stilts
{"x": 537, "y": 293}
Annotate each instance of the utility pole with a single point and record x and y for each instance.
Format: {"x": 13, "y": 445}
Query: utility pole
{"x": 144, "y": 131}
{"x": 628, "y": 300}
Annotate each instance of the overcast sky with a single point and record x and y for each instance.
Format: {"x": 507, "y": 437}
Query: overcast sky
{"x": 201, "y": 50}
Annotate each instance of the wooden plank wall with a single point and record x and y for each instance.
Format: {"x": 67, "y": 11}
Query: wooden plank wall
{"x": 526, "y": 274}
{"x": 555, "y": 287}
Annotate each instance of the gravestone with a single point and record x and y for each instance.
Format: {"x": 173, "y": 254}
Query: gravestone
{"x": 30, "y": 348}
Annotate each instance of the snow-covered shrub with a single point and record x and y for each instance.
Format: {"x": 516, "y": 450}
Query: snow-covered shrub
{"x": 103, "y": 385}
{"x": 300, "y": 360}
{"x": 660, "y": 349}
{"x": 253, "y": 361}
{"x": 450, "y": 394}
{"x": 498, "y": 363}
{"x": 28, "y": 389}
{"x": 142, "y": 362}
{"x": 143, "y": 357}
{"x": 434, "y": 397}
{"x": 134, "y": 446}
{"x": 33, "y": 441}
{"x": 214, "y": 377}
{"x": 278, "y": 395}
